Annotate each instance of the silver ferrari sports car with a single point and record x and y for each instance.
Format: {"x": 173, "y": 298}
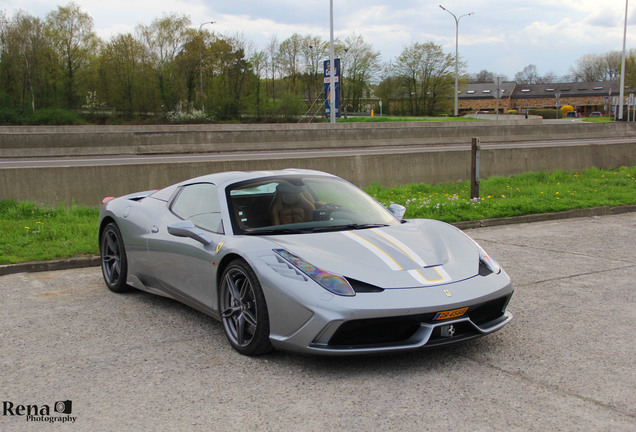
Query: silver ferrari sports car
{"x": 303, "y": 261}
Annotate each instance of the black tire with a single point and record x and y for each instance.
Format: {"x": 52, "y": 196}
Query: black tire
{"x": 244, "y": 310}
{"x": 113, "y": 257}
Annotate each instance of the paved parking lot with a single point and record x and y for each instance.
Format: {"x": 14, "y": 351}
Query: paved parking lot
{"x": 140, "y": 362}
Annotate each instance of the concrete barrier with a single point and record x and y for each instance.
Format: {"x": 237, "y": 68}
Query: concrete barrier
{"x": 32, "y": 141}
{"x": 89, "y": 184}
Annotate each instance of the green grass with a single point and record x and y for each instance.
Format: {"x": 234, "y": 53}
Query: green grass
{"x": 598, "y": 119}
{"x": 29, "y": 232}
{"x": 33, "y": 233}
{"x": 367, "y": 119}
{"x": 514, "y": 196}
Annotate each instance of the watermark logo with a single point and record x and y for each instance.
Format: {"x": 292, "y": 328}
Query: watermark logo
{"x": 60, "y": 413}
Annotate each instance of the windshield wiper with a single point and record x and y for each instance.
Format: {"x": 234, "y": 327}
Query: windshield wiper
{"x": 352, "y": 226}
{"x": 277, "y": 231}
{"x": 308, "y": 230}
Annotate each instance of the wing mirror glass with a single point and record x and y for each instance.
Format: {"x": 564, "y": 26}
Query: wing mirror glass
{"x": 397, "y": 210}
{"x": 186, "y": 228}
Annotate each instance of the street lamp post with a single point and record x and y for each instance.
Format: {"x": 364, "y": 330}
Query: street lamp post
{"x": 332, "y": 67}
{"x": 621, "y": 93}
{"x": 201, "y": 63}
{"x": 456, "y": 52}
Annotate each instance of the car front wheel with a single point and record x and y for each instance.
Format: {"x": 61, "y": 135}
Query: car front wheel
{"x": 243, "y": 310}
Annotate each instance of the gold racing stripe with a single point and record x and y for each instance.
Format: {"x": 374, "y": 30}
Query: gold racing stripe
{"x": 416, "y": 274}
{"x": 401, "y": 246}
{"x": 385, "y": 257}
{"x": 443, "y": 276}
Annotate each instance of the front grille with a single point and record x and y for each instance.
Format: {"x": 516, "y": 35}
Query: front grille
{"x": 486, "y": 312}
{"x": 398, "y": 330}
{"x": 374, "y": 331}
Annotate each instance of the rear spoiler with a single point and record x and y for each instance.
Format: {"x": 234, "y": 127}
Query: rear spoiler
{"x": 133, "y": 196}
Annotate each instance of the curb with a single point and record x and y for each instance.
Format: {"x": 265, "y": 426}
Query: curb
{"x": 94, "y": 261}
{"x": 568, "y": 214}
{"x": 41, "y": 266}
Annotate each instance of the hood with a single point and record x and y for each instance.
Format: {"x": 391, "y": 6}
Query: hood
{"x": 413, "y": 254}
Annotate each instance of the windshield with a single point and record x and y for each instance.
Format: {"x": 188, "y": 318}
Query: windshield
{"x": 298, "y": 204}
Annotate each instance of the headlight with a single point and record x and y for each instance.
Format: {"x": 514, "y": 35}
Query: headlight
{"x": 331, "y": 282}
{"x": 488, "y": 261}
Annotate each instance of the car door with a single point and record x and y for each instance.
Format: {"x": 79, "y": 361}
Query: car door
{"x": 183, "y": 266}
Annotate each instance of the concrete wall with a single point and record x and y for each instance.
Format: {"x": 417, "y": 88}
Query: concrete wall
{"x": 109, "y": 140}
{"x": 89, "y": 184}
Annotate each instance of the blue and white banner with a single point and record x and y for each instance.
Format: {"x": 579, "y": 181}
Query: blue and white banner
{"x": 336, "y": 88}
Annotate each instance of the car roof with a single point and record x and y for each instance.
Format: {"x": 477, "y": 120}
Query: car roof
{"x": 228, "y": 177}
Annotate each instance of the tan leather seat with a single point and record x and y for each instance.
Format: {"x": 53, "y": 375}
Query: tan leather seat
{"x": 290, "y": 205}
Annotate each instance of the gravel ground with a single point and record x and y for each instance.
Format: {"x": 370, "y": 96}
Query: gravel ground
{"x": 140, "y": 362}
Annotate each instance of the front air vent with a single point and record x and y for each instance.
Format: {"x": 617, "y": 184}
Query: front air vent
{"x": 362, "y": 287}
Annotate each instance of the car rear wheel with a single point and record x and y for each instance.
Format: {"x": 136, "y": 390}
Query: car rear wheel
{"x": 113, "y": 257}
{"x": 243, "y": 310}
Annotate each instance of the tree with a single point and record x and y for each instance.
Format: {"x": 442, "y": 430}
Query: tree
{"x": 290, "y": 59}
{"x": 122, "y": 70}
{"x": 594, "y": 68}
{"x": 26, "y": 57}
{"x": 258, "y": 60}
{"x": 528, "y": 75}
{"x": 272, "y": 53}
{"x": 231, "y": 72}
{"x": 426, "y": 77}
{"x": 360, "y": 66}
{"x": 164, "y": 39}
{"x": 71, "y": 32}
{"x": 314, "y": 51}
{"x": 485, "y": 76}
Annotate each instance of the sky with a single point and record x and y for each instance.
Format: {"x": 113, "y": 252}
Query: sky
{"x": 501, "y": 36}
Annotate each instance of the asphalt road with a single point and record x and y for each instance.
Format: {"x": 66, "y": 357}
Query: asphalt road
{"x": 70, "y": 161}
{"x": 140, "y": 362}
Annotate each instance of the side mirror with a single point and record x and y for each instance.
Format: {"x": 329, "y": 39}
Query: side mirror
{"x": 185, "y": 228}
{"x": 397, "y": 210}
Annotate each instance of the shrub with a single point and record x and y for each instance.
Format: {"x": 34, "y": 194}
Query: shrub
{"x": 185, "y": 113}
{"x": 546, "y": 113}
{"x": 9, "y": 116}
{"x": 54, "y": 116}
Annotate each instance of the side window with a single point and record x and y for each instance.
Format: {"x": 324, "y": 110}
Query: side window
{"x": 199, "y": 203}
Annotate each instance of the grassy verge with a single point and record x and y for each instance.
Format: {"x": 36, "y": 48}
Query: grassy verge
{"x": 598, "y": 120}
{"x": 32, "y": 233}
{"x": 367, "y": 119}
{"x": 514, "y": 196}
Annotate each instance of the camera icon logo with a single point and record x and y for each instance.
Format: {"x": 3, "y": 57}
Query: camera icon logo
{"x": 63, "y": 407}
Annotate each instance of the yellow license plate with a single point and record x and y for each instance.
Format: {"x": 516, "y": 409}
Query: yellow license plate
{"x": 455, "y": 313}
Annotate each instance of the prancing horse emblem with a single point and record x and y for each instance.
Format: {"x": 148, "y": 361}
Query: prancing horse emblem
{"x": 451, "y": 330}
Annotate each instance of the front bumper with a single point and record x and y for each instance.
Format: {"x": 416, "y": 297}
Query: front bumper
{"x": 313, "y": 321}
